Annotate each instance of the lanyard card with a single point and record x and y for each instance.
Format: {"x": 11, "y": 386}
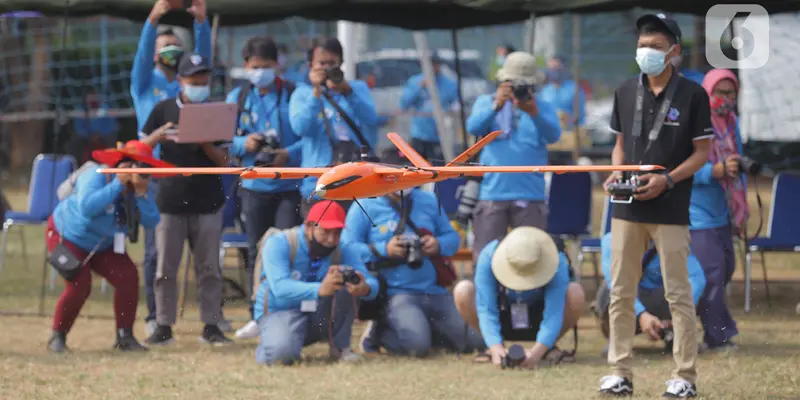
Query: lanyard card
{"x": 119, "y": 243}
{"x": 309, "y": 306}
{"x": 519, "y": 316}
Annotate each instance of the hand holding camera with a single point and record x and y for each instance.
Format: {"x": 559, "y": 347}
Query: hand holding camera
{"x": 514, "y": 358}
{"x": 198, "y": 10}
{"x": 503, "y": 94}
{"x": 125, "y": 179}
{"x": 254, "y": 142}
{"x": 332, "y": 282}
{"x": 395, "y": 248}
{"x": 140, "y": 184}
{"x": 159, "y": 9}
{"x": 430, "y": 246}
{"x": 356, "y": 284}
{"x": 497, "y": 352}
{"x": 523, "y": 98}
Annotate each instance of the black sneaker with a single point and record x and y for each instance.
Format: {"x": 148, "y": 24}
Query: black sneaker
{"x": 613, "y": 385}
{"x": 214, "y": 336}
{"x": 680, "y": 388}
{"x": 126, "y": 341}
{"x": 57, "y": 342}
{"x": 161, "y": 336}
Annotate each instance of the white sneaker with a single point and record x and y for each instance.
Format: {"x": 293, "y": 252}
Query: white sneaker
{"x": 249, "y": 331}
{"x": 225, "y": 326}
{"x": 150, "y": 327}
{"x": 344, "y": 355}
{"x": 680, "y": 388}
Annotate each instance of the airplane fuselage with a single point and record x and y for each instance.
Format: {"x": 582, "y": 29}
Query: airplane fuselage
{"x": 359, "y": 179}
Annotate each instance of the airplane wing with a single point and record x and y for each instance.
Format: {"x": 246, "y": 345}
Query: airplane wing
{"x": 558, "y": 169}
{"x": 245, "y": 173}
{"x": 409, "y": 151}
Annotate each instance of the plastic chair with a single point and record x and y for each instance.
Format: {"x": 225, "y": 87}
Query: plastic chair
{"x": 48, "y": 172}
{"x": 569, "y": 201}
{"x": 592, "y": 245}
{"x": 783, "y": 235}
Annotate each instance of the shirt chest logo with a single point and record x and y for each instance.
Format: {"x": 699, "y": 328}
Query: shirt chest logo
{"x": 296, "y": 275}
{"x": 672, "y": 117}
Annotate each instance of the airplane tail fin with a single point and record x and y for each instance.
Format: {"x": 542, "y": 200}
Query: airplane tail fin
{"x": 408, "y": 151}
{"x": 472, "y": 151}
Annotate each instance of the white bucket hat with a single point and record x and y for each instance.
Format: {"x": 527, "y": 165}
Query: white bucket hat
{"x": 520, "y": 67}
{"x": 526, "y": 259}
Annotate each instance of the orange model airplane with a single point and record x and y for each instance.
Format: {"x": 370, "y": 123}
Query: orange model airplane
{"x": 361, "y": 179}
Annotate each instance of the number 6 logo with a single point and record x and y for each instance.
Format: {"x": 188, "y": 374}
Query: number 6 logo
{"x": 749, "y": 24}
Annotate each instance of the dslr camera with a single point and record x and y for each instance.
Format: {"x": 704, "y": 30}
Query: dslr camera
{"x": 514, "y": 357}
{"x": 334, "y": 74}
{"x": 349, "y": 276}
{"x": 265, "y": 156}
{"x": 414, "y": 257}
{"x": 748, "y": 166}
{"x": 522, "y": 91}
{"x": 622, "y": 190}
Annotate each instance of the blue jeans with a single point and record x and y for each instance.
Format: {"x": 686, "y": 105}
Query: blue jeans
{"x": 714, "y": 249}
{"x": 285, "y": 333}
{"x": 261, "y": 212}
{"x": 150, "y": 266}
{"x": 415, "y": 323}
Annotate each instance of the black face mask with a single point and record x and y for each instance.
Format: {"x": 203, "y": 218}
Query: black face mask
{"x": 317, "y": 249}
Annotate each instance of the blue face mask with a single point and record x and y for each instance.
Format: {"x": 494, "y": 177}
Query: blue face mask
{"x": 500, "y": 59}
{"x": 262, "y": 77}
{"x": 651, "y": 61}
{"x": 196, "y": 94}
{"x": 555, "y": 75}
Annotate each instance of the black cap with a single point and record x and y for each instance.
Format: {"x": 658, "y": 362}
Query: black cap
{"x": 192, "y": 64}
{"x": 662, "y": 20}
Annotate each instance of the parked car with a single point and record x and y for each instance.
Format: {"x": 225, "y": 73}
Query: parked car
{"x": 388, "y": 70}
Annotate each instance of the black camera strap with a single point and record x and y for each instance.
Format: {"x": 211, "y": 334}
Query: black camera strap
{"x": 404, "y": 212}
{"x": 672, "y": 87}
{"x": 349, "y": 121}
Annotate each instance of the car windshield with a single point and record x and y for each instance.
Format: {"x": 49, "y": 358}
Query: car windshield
{"x": 396, "y": 71}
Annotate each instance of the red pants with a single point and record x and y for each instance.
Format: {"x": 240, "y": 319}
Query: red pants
{"x": 117, "y": 269}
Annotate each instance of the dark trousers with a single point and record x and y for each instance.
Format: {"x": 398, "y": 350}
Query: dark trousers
{"x": 150, "y": 267}
{"x": 431, "y": 151}
{"x": 714, "y": 249}
{"x": 261, "y": 212}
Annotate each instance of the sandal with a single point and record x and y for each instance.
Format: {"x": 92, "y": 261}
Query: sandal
{"x": 482, "y": 358}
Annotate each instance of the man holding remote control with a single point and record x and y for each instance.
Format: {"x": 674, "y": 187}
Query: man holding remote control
{"x": 660, "y": 118}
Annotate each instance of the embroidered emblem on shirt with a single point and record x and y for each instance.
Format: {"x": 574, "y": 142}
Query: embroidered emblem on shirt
{"x": 297, "y": 275}
{"x": 672, "y": 117}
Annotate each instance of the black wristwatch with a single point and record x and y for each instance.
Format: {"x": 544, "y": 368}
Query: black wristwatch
{"x": 670, "y": 182}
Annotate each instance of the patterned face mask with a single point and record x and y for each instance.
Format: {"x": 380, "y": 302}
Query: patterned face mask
{"x": 169, "y": 56}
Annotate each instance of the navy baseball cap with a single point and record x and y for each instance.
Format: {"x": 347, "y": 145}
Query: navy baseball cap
{"x": 192, "y": 64}
{"x": 662, "y": 20}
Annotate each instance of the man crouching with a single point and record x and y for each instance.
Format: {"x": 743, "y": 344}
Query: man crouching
{"x": 309, "y": 295}
{"x": 522, "y": 292}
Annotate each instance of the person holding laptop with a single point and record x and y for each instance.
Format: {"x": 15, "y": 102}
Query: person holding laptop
{"x": 190, "y": 206}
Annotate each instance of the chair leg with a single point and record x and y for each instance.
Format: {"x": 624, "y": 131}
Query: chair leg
{"x": 3, "y": 243}
{"x": 596, "y": 270}
{"x": 185, "y": 284}
{"x": 748, "y": 265}
{"x": 766, "y": 281}
{"x": 579, "y": 265}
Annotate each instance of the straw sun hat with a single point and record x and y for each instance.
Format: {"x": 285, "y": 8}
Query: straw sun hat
{"x": 526, "y": 259}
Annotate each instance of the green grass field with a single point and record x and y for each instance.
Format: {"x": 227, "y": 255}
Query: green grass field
{"x": 766, "y": 367}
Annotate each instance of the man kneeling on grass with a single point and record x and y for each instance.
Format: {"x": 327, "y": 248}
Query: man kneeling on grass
{"x": 522, "y": 292}
{"x": 652, "y": 309}
{"x": 309, "y": 296}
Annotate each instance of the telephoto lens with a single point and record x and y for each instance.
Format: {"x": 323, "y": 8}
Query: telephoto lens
{"x": 335, "y": 75}
{"x": 514, "y": 357}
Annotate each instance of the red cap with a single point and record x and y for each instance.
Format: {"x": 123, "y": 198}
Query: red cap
{"x": 332, "y": 218}
{"x": 133, "y": 149}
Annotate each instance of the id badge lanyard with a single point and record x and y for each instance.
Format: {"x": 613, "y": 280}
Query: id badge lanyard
{"x": 662, "y": 113}
{"x": 519, "y": 313}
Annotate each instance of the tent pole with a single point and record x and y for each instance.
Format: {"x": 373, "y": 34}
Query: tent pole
{"x": 445, "y": 139}
{"x": 576, "y": 72}
{"x": 530, "y": 33}
{"x": 461, "y": 117}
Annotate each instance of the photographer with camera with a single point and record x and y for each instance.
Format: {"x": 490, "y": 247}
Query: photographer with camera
{"x": 662, "y": 118}
{"x": 87, "y": 231}
{"x": 264, "y": 139}
{"x": 417, "y": 98}
{"x": 154, "y": 77}
{"x": 719, "y": 208}
{"x": 529, "y": 125}
{"x": 334, "y": 117}
{"x": 405, "y": 242}
{"x": 653, "y": 317}
{"x": 308, "y": 282}
{"x": 522, "y": 292}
